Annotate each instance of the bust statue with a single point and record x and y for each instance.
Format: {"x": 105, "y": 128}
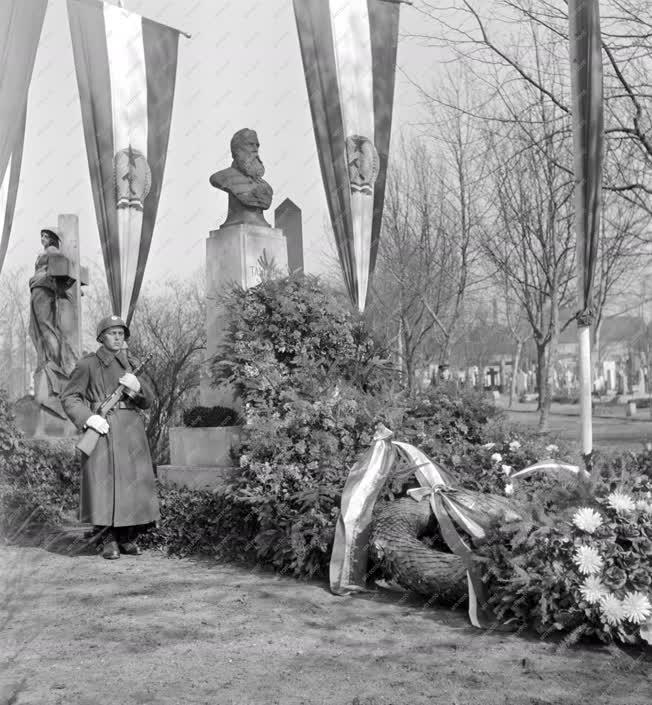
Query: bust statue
{"x": 249, "y": 194}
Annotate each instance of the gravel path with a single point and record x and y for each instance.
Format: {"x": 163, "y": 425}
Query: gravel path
{"x": 80, "y": 630}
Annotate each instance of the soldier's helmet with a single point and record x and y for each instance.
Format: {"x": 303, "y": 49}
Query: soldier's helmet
{"x": 110, "y": 322}
{"x": 53, "y": 232}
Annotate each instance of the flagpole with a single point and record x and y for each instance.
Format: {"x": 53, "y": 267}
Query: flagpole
{"x": 588, "y": 134}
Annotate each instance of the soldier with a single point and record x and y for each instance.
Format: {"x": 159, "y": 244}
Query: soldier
{"x": 118, "y": 490}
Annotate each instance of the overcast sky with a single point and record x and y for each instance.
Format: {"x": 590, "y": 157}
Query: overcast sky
{"x": 242, "y": 68}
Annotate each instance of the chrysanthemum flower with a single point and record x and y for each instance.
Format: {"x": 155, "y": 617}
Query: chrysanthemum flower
{"x": 496, "y": 458}
{"x": 552, "y": 448}
{"x": 636, "y": 607}
{"x": 509, "y": 489}
{"x": 514, "y": 445}
{"x": 644, "y": 506}
{"x": 587, "y": 519}
{"x": 507, "y": 469}
{"x": 588, "y": 560}
{"x": 612, "y": 610}
{"x": 621, "y": 502}
{"x": 593, "y": 590}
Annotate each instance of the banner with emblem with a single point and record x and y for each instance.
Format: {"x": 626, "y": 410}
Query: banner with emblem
{"x": 21, "y": 22}
{"x": 126, "y": 72}
{"x": 348, "y": 49}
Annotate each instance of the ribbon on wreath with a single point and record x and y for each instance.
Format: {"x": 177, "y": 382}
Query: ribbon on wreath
{"x": 550, "y": 465}
{"x": 348, "y": 565}
{"x": 443, "y": 504}
{"x": 473, "y": 511}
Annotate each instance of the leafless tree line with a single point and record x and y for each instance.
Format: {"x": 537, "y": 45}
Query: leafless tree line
{"x": 479, "y": 204}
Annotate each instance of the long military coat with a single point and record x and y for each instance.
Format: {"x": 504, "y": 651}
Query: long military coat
{"x": 117, "y": 482}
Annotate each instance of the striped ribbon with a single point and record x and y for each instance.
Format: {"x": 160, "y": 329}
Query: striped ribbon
{"x": 348, "y": 565}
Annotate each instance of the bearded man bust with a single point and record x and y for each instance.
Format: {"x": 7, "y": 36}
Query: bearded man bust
{"x": 249, "y": 193}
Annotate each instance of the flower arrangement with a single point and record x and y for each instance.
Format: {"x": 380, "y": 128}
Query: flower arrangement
{"x": 587, "y": 575}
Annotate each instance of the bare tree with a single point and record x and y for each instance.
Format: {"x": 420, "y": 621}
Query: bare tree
{"x": 504, "y": 44}
{"x": 531, "y": 242}
{"x": 426, "y": 252}
{"x": 170, "y": 323}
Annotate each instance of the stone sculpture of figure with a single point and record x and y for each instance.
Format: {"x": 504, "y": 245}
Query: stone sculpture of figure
{"x": 50, "y": 309}
{"x": 249, "y": 194}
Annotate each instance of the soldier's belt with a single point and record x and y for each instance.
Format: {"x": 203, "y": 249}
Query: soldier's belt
{"x": 120, "y": 405}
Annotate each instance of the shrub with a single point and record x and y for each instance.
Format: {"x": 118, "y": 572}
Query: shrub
{"x": 208, "y": 416}
{"x": 314, "y": 383}
{"x": 566, "y": 573}
{"x": 39, "y": 482}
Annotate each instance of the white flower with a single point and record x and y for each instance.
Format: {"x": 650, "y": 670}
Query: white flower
{"x": 636, "y": 607}
{"x": 497, "y": 458}
{"x": 587, "y": 519}
{"x": 644, "y": 506}
{"x": 588, "y": 560}
{"x": 612, "y": 609}
{"x": 552, "y": 448}
{"x": 646, "y": 631}
{"x": 593, "y": 590}
{"x": 244, "y": 460}
{"x": 507, "y": 469}
{"x": 509, "y": 489}
{"x": 514, "y": 445}
{"x": 621, "y": 502}
{"x": 489, "y": 446}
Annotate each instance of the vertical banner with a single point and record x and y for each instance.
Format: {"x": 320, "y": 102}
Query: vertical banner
{"x": 348, "y": 49}
{"x": 126, "y": 72}
{"x": 21, "y": 22}
{"x": 9, "y": 187}
{"x": 588, "y": 139}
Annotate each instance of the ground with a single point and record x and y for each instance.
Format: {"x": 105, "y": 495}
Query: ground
{"x": 154, "y": 630}
{"x": 611, "y": 427}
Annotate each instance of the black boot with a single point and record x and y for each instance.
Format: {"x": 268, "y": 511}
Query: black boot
{"x": 110, "y": 549}
{"x": 127, "y": 542}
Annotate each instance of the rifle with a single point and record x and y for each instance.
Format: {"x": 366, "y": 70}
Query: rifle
{"x": 91, "y": 436}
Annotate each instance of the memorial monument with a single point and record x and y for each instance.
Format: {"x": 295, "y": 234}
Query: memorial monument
{"x": 236, "y": 253}
{"x": 237, "y": 249}
{"x": 54, "y": 327}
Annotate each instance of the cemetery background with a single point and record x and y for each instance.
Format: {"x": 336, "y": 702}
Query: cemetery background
{"x": 442, "y": 310}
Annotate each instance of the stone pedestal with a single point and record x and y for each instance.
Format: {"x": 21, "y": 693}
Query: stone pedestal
{"x": 234, "y": 255}
{"x": 200, "y": 458}
{"x": 36, "y": 421}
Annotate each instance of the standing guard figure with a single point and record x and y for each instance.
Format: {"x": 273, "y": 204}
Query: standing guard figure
{"x": 118, "y": 488}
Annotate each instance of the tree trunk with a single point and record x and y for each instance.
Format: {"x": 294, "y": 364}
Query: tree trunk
{"x": 543, "y": 384}
{"x": 545, "y": 392}
{"x": 515, "y": 368}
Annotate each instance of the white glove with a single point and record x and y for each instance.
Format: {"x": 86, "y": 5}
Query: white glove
{"x": 130, "y": 381}
{"x": 99, "y": 424}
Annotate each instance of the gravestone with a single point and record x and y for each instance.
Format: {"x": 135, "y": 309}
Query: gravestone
{"x": 287, "y": 218}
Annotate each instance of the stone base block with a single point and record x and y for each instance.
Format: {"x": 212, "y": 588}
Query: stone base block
{"x": 208, "y": 446}
{"x": 234, "y": 255}
{"x": 197, "y": 477}
{"x": 36, "y": 421}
